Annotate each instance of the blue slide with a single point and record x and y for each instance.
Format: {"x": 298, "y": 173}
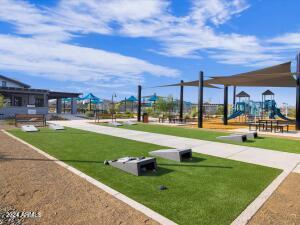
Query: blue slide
{"x": 235, "y": 114}
{"x": 280, "y": 115}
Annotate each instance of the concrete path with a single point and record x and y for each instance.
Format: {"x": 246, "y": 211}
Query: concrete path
{"x": 275, "y": 159}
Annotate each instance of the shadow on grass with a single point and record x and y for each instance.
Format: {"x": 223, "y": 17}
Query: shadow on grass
{"x": 159, "y": 172}
{"x": 191, "y": 165}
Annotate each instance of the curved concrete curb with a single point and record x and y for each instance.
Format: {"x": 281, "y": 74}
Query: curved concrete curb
{"x": 134, "y": 204}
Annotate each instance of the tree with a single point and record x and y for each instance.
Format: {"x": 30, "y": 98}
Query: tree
{"x": 1, "y": 101}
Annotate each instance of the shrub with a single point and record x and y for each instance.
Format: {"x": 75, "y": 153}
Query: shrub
{"x": 89, "y": 113}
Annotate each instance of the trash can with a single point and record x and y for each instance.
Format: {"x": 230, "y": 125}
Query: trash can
{"x": 145, "y": 118}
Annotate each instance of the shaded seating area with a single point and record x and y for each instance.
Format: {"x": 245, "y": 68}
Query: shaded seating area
{"x": 274, "y": 76}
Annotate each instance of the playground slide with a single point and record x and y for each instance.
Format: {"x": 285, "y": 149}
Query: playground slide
{"x": 235, "y": 114}
{"x": 280, "y": 115}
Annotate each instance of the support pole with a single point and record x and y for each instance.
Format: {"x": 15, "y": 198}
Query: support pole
{"x": 225, "y": 116}
{"x": 298, "y": 94}
{"x": 139, "y": 103}
{"x": 125, "y": 105}
{"x": 181, "y": 101}
{"x": 200, "y": 100}
{"x": 234, "y": 93}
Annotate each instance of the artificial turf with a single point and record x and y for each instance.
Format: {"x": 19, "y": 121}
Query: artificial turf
{"x": 273, "y": 143}
{"x": 207, "y": 190}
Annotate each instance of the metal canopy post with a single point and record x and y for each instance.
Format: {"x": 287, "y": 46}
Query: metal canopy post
{"x": 234, "y": 93}
{"x": 298, "y": 94}
{"x": 125, "y": 104}
{"x": 139, "y": 103}
{"x": 225, "y": 118}
{"x": 181, "y": 101}
{"x": 200, "y": 100}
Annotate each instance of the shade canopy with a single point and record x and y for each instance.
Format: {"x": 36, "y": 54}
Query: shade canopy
{"x": 132, "y": 99}
{"x": 93, "y": 99}
{"x": 274, "y": 76}
{"x": 191, "y": 84}
{"x": 153, "y": 98}
{"x": 90, "y": 96}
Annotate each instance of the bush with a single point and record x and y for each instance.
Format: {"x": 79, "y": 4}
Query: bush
{"x": 89, "y": 113}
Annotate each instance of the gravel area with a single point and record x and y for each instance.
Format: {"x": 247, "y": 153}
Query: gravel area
{"x": 49, "y": 194}
{"x": 283, "y": 207}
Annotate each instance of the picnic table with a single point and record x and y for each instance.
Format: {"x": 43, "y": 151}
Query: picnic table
{"x": 270, "y": 125}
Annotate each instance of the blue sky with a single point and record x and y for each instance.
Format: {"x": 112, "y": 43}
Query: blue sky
{"x": 108, "y": 47}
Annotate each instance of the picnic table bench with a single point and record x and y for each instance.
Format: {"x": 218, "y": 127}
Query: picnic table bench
{"x": 99, "y": 116}
{"x": 36, "y": 119}
{"x": 270, "y": 125}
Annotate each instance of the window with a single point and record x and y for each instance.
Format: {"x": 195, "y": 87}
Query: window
{"x": 4, "y": 83}
{"x": 39, "y": 102}
{"x": 17, "y": 101}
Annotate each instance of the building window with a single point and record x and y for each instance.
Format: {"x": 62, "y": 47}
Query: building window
{"x": 39, "y": 102}
{"x": 17, "y": 101}
{"x": 4, "y": 83}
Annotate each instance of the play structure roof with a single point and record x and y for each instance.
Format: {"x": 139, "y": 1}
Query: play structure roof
{"x": 268, "y": 92}
{"x": 243, "y": 94}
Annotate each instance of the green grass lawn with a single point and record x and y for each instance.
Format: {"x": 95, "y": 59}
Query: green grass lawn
{"x": 273, "y": 143}
{"x": 207, "y": 190}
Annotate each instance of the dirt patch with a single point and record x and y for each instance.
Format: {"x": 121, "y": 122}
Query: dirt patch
{"x": 283, "y": 207}
{"x": 29, "y": 182}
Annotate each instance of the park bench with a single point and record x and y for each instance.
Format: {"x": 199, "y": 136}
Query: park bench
{"x": 35, "y": 119}
{"x": 99, "y": 116}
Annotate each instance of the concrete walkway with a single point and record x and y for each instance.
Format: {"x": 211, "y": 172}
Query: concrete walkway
{"x": 275, "y": 159}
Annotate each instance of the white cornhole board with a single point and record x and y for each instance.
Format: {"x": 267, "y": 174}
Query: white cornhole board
{"x": 250, "y": 135}
{"x": 130, "y": 123}
{"x": 56, "y": 127}
{"x": 29, "y": 128}
{"x": 115, "y": 124}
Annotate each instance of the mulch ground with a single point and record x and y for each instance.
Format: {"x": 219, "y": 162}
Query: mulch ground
{"x": 283, "y": 207}
{"x": 29, "y": 182}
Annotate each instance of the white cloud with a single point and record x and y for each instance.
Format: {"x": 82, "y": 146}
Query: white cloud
{"x": 194, "y": 35}
{"x": 61, "y": 61}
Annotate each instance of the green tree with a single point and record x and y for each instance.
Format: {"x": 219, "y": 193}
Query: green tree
{"x": 1, "y": 101}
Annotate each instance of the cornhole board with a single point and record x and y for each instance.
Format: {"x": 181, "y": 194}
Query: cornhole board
{"x": 115, "y": 124}
{"x": 29, "y": 128}
{"x": 178, "y": 155}
{"x": 250, "y": 135}
{"x": 130, "y": 123}
{"x": 56, "y": 127}
{"x": 234, "y": 137}
{"x": 135, "y": 165}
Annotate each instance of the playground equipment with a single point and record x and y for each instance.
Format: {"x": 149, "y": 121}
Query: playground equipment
{"x": 252, "y": 109}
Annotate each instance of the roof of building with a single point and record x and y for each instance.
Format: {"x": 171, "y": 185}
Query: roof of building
{"x": 15, "y": 81}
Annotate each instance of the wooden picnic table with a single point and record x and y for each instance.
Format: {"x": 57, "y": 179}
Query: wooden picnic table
{"x": 273, "y": 124}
